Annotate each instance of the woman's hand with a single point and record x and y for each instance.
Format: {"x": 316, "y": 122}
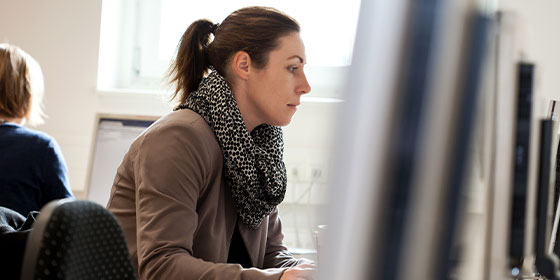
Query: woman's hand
{"x": 300, "y": 272}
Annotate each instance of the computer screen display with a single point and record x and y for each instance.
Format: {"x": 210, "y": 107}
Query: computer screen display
{"x": 545, "y": 262}
{"x": 554, "y": 176}
{"x": 113, "y": 136}
{"x": 556, "y": 233}
{"x": 525, "y": 76}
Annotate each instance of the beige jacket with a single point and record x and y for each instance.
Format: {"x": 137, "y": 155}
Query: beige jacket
{"x": 178, "y": 216}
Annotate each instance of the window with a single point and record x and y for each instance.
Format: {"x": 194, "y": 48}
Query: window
{"x": 139, "y": 38}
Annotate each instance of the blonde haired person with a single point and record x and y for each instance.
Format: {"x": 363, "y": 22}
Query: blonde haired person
{"x": 197, "y": 192}
{"x": 32, "y": 168}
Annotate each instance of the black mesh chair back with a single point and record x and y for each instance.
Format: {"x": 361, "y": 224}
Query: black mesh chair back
{"x": 75, "y": 239}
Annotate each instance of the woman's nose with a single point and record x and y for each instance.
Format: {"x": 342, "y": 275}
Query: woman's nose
{"x": 304, "y": 86}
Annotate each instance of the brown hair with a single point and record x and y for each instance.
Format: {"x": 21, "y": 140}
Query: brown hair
{"x": 21, "y": 85}
{"x": 255, "y": 30}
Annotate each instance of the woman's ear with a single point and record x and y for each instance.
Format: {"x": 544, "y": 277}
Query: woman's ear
{"x": 241, "y": 65}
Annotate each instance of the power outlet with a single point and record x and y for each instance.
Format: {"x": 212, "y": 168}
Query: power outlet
{"x": 295, "y": 172}
{"x": 305, "y": 173}
{"x": 317, "y": 173}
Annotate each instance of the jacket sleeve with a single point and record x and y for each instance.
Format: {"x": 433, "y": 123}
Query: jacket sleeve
{"x": 171, "y": 167}
{"x": 277, "y": 254}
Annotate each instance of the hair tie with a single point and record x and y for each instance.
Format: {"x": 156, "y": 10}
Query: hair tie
{"x": 214, "y": 27}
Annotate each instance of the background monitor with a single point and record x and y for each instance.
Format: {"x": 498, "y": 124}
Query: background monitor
{"x": 553, "y": 113}
{"x": 525, "y": 76}
{"x": 546, "y": 263}
{"x": 113, "y": 136}
{"x": 556, "y": 233}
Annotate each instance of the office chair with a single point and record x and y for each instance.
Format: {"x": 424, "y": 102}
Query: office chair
{"x": 76, "y": 240}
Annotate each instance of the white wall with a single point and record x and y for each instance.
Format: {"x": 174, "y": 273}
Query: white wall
{"x": 540, "y": 25}
{"x": 63, "y": 36}
{"x": 535, "y": 36}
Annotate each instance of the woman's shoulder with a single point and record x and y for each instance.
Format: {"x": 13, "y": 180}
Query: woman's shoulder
{"x": 182, "y": 118}
{"x": 179, "y": 136}
{"x": 33, "y": 143}
{"x": 185, "y": 120}
{"x": 185, "y": 124}
{"x": 27, "y": 135}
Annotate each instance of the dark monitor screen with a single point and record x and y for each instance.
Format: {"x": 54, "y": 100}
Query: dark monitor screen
{"x": 547, "y": 214}
{"x": 556, "y": 232}
{"x": 525, "y": 73}
{"x": 553, "y": 115}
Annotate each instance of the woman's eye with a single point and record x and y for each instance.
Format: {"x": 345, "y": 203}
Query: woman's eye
{"x": 292, "y": 69}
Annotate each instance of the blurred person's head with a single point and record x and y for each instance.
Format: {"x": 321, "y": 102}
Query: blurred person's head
{"x": 21, "y": 85}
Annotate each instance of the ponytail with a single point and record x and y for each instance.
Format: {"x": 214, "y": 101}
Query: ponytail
{"x": 255, "y": 30}
{"x": 191, "y": 63}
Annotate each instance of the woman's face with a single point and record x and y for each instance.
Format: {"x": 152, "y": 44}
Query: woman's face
{"x": 274, "y": 92}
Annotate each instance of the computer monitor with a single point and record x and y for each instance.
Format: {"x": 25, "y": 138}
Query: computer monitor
{"x": 525, "y": 77}
{"x": 555, "y": 244}
{"x": 546, "y": 263}
{"x": 113, "y": 135}
{"x": 553, "y": 115}
{"x": 403, "y": 141}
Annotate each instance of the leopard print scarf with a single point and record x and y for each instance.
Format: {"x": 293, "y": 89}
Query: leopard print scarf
{"x": 254, "y": 168}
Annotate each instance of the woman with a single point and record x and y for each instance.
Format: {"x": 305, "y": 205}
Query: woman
{"x": 197, "y": 192}
{"x": 32, "y": 168}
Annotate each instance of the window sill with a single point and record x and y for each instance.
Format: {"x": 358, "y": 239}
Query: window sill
{"x": 148, "y": 93}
